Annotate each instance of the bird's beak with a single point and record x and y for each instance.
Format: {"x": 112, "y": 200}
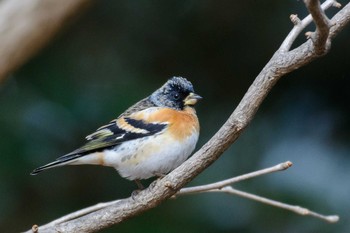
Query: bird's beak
{"x": 192, "y": 99}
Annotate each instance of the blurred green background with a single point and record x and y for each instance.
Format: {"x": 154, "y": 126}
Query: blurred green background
{"x": 119, "y": 52}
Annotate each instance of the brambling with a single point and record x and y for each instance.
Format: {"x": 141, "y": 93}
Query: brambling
{"x": 151, "y": 138}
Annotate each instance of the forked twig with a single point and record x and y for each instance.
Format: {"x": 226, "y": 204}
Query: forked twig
{"x": 300, "y": 25}
{"x": 296, "y": 209}
{"x": 224, "y": 186}
{"x": 223, "y": 183}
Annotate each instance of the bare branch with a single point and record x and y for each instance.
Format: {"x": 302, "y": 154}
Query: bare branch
{"x": 184, "y": 191}
{"x": 339, "y": 21}
{"x": 320, "y": 37}
{"x": 284, "y": 62}
{"x": 300, "y": 25}
{"x": 223, "y": 183}
{"x": 295, "y": 209}
{"x": 80, "y": 213}
{"x": 223, "y": 186}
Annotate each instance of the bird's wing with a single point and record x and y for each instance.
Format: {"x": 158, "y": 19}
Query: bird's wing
{"x": 120, "y": 130}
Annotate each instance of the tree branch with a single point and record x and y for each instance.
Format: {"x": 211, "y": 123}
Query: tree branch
{"x": 339, "y": 21}
{"x": 293, "y": 208}
{"x": 300, "y": 25}
{"x": 224, "y": 186}
{"x": 281, "y": 63}
{"x": 322, "y": 26}
{"x": 184, "y": 191}
{"x": 223, "y": 183}
{"x": 221, "y": 186}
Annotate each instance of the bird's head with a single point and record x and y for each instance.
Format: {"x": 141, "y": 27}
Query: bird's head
{"x": 176, "y": 93}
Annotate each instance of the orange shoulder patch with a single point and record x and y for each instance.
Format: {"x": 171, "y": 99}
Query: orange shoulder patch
{"x": 182, "y": 124}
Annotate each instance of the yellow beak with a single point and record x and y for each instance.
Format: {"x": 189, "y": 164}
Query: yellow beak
{"x": 192, "y": 99}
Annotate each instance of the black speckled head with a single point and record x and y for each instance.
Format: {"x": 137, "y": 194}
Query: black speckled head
{"x": 176, "y": 93}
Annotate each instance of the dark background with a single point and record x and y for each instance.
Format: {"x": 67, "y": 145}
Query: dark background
{"x": 119, "y": 52}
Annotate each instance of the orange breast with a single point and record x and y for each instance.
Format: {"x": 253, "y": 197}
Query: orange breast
{"x": 181, "y": 123}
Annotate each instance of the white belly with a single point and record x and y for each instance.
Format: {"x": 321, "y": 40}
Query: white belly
{"x": 163, "y": 156}
{"x": 145, "y": 157}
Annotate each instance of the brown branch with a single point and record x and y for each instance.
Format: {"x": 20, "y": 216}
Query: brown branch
{"x": 27, "y": 26}
{"x": 281, "y": 63}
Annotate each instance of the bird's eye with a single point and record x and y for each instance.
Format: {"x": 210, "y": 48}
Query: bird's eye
{"x": 176, "y": 96}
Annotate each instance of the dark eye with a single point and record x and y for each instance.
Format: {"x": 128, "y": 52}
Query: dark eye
{"x": 176, "y": 96}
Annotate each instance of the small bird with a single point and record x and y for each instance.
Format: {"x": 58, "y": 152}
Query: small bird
{"x": 151, "y": 138}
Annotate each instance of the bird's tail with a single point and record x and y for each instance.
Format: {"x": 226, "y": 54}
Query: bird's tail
{"x": 64, "y": 160}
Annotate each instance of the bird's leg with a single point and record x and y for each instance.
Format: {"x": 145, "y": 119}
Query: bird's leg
{"x": 139, "y": 184}
{"x": 137, "y": 191}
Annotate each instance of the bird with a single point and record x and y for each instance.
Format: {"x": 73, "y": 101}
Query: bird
{"x": 151, "y": 138}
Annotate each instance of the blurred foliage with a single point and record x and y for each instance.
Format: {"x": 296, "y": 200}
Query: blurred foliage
{"x": 119, "y": 52}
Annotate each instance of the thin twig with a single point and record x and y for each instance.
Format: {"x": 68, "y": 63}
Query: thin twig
{"x": 81, "y": 212}
{"x": 300, "y": 25}
{"x": 293, "y": 208}
{"x": 223, "y": 183}
{"x": 223, "y": 186}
